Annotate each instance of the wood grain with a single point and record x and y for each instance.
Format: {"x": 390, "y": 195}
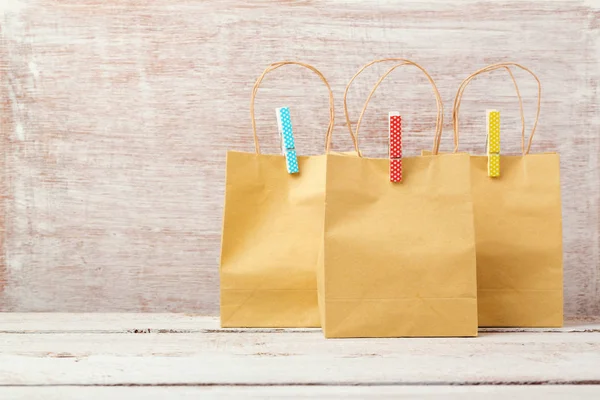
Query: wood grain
{"x": 99, "y": 323}
{"x": 93, "y": 356}
{"x": 572, "y": 392}
{"x": 116, "y": 116}
{"x": 93, "y": 349}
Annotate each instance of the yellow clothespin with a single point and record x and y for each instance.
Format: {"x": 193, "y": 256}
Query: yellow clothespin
{"x": 493, "y": 142}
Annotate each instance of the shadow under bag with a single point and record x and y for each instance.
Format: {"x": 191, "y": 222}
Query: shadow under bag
{"x": 272, "y": 225}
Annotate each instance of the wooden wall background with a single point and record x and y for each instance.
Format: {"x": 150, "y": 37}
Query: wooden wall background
{"x": 116, "y": 116}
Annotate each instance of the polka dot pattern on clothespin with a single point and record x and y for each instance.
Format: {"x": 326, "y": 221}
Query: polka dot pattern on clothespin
{"x": 493, "y": 139}
{"x": 494, "y": 165}
{"x": 395, "y": 138}
{"x": 284, "y": 123}
{"x": 396, "y": 170}
{"x": 286, "y": 128}
{"x": 291, "y": 161}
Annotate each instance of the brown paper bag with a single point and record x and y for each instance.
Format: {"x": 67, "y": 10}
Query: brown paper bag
{"x": 272, "y": 229}
{"x": 398, "y": 259}
{"x": 518, "y": 231}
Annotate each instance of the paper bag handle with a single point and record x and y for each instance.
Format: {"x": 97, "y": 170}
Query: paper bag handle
{"x": 403, "y": 61}
{"x": 273, "y": 67}
{"x": 489, "y": 68}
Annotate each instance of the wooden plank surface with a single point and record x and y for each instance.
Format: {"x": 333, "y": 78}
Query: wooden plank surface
{"x": 116, "y": 115}
{"x": 188, "y": 323}
{"x": 305, "y": 392}
{"x": 84, "y": 350}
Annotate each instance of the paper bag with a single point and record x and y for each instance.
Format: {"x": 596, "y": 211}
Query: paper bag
{"x": 518, "y": 227}
{"x": 272, "y": 229}
{"x": 398, "y": 259}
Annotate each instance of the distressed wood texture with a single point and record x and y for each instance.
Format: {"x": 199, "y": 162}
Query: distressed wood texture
{"x": 116, "y": 116}
{"x": 570, "y": 392}
{"x": 158, "y": 350}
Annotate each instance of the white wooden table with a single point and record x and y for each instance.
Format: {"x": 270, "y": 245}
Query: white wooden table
{"x": 156, "y": 356}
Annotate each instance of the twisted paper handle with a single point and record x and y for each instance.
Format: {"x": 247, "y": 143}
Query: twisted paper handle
{"x": 403, "y": 61}
{"x": 505, "y": 65}
{"x": 273, "y": 67}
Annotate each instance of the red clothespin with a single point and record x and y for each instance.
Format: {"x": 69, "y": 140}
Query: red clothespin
{"x": 395, "y": 125}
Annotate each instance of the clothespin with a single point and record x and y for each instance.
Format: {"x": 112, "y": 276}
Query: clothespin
{"x": 395, "y": 129}
{"x": 288, "y": 148}
{"x": 493, "y": 142}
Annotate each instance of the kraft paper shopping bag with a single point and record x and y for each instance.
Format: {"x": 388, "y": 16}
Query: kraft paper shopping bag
{"x": 398, "y": 258}
{"x": 518, "y": 227}
{"x": 272, "y": 229}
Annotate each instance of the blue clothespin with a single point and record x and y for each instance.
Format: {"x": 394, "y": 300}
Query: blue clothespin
{"x": 288, "y": 148}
